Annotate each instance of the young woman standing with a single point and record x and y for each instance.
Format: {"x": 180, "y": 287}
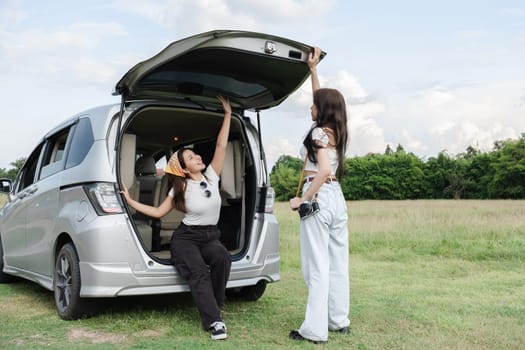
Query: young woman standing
{"x": 324, "y": 235}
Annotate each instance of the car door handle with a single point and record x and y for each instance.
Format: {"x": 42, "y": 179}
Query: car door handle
{"x": 32, "y": 189}
{"x": 28, "y": 191}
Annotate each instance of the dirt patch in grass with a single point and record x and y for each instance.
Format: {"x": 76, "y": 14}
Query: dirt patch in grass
{"x": 82, "y": 335}
{"x": 95, "y": 337}
{"x": 148, "y": 333}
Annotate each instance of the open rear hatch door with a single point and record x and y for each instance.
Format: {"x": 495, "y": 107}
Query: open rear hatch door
{"x": 255, "y": 71}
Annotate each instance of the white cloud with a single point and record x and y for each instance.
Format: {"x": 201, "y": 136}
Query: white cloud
{"x": 456, "y": 139}
{"x": 518, "y": 12}
{"x": 356, "y": 96}
{"x": 452, "y": 119}
{"x": 78, "y": 36}
{"x": 72, "y": 54}
{"x": 278, "y": 10}
{"x": 366, "y": 135}
{"x": 349, "y": 86}
{"x": 442, "y": 129}
{"x": 411, "y": 142}
{"x": 10, "y": 13}
{"x": 279, "y": 146}
{"x": 437, "y": 97}
{"x": 189, "y": 16}
{"x": 471, "y": 34}
{"x": 193, "y": 16}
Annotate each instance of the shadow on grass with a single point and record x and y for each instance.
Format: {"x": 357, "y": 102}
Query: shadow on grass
{"x": 123, "y": 305}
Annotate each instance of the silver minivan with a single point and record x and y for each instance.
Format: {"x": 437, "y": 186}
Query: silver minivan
{"x": 65, "y": 225}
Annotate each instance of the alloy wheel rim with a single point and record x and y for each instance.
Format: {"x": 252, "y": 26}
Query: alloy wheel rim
{"x": 64, "y": 283}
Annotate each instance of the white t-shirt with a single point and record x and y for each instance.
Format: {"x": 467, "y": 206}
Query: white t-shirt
{"x": 318, "y": 134}
{"x": 202, "y": 210}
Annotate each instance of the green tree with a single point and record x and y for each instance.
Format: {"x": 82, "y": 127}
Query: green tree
{"x": 477, "y": 173}
{"x": 400, "y": 175}
{"x": 509, "y": 170}
{"x": 395, "y": 176}
{"x": 355, "y": 184}
{"x": 456, "y": 180}
{"x": 13, "y": 172}
{"x": 406, "y": 170}
{"x": 437, "y": 176}
{"x": 284, "y": 177}
{"x": 399, "y": 149}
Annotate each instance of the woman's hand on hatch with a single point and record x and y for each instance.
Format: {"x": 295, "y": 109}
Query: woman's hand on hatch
{"x": 314, "y": 57}
{"x": 225, "y": 104}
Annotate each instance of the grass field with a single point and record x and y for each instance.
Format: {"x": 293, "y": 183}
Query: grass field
{"x": 424, "y": 275}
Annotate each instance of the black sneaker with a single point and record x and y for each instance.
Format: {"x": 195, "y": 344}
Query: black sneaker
{"x": 344, "y": 330}
{"x": 218, "y": 331}
{"x": 295, "y": 335}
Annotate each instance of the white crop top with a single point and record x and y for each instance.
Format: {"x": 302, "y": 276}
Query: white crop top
{"x": 201, "y": 209}
{"x": 318, "y": 134}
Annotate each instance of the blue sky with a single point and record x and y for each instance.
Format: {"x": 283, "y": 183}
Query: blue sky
{"x": 428, "y": 75}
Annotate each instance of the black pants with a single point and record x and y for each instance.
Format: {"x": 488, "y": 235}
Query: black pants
{"x": 200, "y": 258}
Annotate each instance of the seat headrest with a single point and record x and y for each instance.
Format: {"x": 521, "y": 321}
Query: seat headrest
{"x": 145, "y": 165}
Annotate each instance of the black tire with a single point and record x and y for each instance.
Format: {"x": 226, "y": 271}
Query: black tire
{"x": 250, "y": 293}
{"x": 4, "y": 278}
{"x": 66, "y": 285}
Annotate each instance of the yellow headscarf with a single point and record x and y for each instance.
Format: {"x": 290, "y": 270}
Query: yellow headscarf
{"x": 173, "y": 166}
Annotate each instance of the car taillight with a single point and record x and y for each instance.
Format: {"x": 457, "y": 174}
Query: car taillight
{"x": 270, "y": 200}
{"x": 104, "y": 198}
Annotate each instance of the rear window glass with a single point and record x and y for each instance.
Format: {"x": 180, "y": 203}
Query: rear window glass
{"x": 192, "y": 83}
{"x": 81, "y": 143}
{"x": 251, "y": 79}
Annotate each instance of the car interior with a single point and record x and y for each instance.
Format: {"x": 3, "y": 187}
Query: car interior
{"x": 150, "y": 137}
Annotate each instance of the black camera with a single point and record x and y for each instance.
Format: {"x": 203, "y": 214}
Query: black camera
{"x": 307, "y": 209}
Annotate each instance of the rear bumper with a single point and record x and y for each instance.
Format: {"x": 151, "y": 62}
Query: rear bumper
{"x": 112, "y": 280}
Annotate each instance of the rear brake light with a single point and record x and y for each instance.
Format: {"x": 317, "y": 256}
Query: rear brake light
{"x": 104, "y": 198}
{"x": 270, "y": 200}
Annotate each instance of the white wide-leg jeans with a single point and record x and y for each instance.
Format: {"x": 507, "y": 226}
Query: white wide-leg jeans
{"x": 324, "y": 263}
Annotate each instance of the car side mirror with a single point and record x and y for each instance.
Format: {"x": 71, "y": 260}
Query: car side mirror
{"x": 6, "y": 185}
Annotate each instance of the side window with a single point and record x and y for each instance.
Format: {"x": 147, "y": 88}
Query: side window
{"x": 80, "y": 143}
{"x": 54, "y": 153}
{"x": 28, "y": 171}
{"x": 160, "y": 165}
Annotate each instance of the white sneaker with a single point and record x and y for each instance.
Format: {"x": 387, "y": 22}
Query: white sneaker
{"x": 218, "y": 331}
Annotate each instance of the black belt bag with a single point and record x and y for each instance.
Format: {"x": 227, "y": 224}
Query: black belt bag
{"x": 306, "y": 209}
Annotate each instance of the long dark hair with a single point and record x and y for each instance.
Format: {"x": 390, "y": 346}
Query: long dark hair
{"x": 178, "y": 184}
{"x": 331, "y": 113}
{"x": 179, "y": 188}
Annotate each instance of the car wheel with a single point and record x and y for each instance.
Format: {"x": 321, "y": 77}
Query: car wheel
{"x": 250, "y": 293}
{"x": 66, "y": 285}
{"x": 4, "y": 278}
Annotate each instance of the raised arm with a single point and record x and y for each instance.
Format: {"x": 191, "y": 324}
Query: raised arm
{"x": 222, "y": 138}
{"x": 313, "y": 60}
{"x": 154, "y": 212}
